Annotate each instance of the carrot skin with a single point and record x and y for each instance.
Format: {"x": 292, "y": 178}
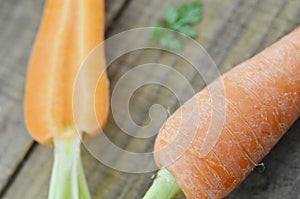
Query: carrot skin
{"x": 262, "y": 98}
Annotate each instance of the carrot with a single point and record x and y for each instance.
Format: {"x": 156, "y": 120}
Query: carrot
{"x": 262, "y": 98}
{"x": 60, "y": 99}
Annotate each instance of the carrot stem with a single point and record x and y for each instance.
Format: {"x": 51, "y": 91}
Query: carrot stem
{"x": 164, "y": 186}
{"x": 67, "y": 178}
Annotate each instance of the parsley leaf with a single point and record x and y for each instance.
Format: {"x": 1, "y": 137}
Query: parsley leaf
{"x": 156, "y": 31}
{"x": 179, "y": 19}
{"x": 171, "y": 15}
{"x": 190, "y": 13}
{"x": 169, "y": 41}
{"x": 187, "y": 30}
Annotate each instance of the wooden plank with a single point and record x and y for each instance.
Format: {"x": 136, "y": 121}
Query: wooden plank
{"x": 231, "y": 31}
{"x": 18, "y": 23}
{"x": 113, "y": 8}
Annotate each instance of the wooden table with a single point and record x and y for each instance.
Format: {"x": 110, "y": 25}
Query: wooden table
{"x": 231, "y": 31}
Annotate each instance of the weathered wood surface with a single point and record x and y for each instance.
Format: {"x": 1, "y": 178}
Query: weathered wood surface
{"x": 18, "y": 23}
{"x": 231, "y": 31}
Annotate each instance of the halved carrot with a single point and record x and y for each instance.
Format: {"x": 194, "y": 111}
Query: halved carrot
{"x": 62, "y": 100}
{"x": 262, "y": 98}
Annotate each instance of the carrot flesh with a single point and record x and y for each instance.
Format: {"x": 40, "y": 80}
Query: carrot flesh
{"x": 69, "y": 31}
{"x": 67, "y": 89}
{"x": 262, "y": 98}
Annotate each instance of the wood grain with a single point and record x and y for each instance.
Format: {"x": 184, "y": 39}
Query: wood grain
{"x": 113, "y": 9}
{"x": 231, "y": 31}
{"x": 18, "y": 24}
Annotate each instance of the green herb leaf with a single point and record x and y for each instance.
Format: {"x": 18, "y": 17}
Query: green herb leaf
{"x": 179, "y": 19}
{"x": 169, "y": 41}
{"x": 170, "y": 15}
{"x": 156, "y": 31}
{"x": 190, "y": 13}
{"x": 188, "y": 30}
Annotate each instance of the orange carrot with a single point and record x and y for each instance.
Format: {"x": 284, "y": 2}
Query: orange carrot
{"x": 262, "y": 98}
{"x": 57, "y": 90}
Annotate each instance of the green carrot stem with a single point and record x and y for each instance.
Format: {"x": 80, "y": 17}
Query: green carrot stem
{"x": 164, "y": 186}
{"x": 67, "y": 178}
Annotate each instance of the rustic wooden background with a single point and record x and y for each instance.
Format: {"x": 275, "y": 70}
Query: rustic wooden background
{"x": 231, "y": 31}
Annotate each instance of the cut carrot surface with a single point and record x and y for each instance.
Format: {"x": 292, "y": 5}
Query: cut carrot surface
{"x": 69, "y": 31}
{"x": 67, "y": 90}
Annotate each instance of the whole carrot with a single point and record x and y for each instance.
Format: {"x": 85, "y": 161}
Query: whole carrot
{"x": 262, "y": 98}
{"x": 63, "y": 102}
